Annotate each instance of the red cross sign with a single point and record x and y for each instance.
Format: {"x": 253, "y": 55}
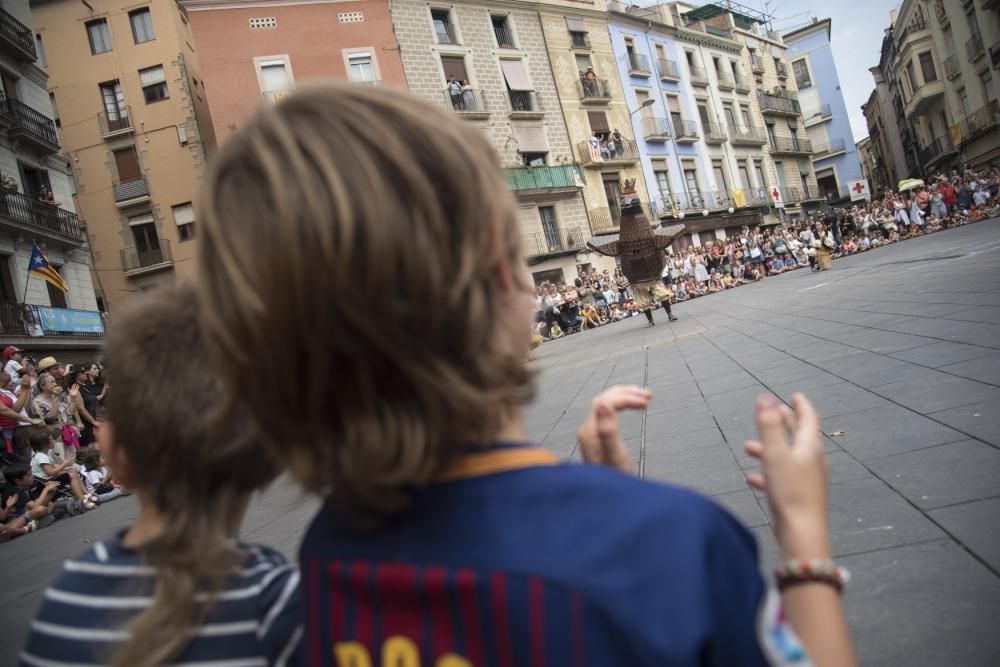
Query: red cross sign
{"x": 858, "y": 187}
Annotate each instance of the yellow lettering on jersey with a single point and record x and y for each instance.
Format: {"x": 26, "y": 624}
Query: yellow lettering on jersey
{"x": 351, "y": 654}
{"x": 397, "y": 651}
{"x": 452, "y": 660}
{"x": 400, "y": 652}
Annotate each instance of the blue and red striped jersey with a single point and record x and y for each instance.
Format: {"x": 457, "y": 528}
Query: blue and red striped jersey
{"x": 518, "y": 561}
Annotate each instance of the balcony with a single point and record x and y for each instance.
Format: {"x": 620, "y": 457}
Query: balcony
{"x": 137, "y": 262}
{"x": 822, "y": 151}
{"x": 974, "y": 48}
{"x": 791, "y": 195}
{"x": 579, "y": 40}
{"x": 685, "y": 131}
{"x": 936, "y": 150}
{"x": 817, "y": 115}
{"x": 608, "y": 154}
{"x": 810, "y": 192}
{"x": 779, "y": 105}
{"x": 726, "y": 82}
{"x": 951, "y": 67}
{"x": 742, "y": 82}
{"x": 790, "y": 146}
{"x": 668, "y": 69}
{"x": 524, "y": 104}
{"x": 608, "y": 219}
{"x": 274, "y": 97}
{"x": 16, "y": 38}
{"x": 505, "y": 38}
{"x": 30, "y": 216}
{"x": 781, "y": 69}
{"x": 131, "y": 192}
{"x": 923, "y": 97}
{"x": 699, "y": 77}
{"x": 714, "y": 134}
{"x": 759, "y": 196}
{"x": 757, "y": 64}
{"x": 980, "y": 122}
{"x": 542, "y": 244}
{"x": 593, "y": 91}
{"x": 470, "y": 103}
{"x": 31, "y": 128}
{"x": 529, "y": 180}
{"x": 655, "y": 130}
{"x": 638, "y": 64}
{"x": 747, "y": 136}
{"x": 116, "y": 127}
{"x": 48, "y": 321}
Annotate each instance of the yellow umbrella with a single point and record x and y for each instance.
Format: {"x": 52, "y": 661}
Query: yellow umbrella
{"x": 910, "y": 184}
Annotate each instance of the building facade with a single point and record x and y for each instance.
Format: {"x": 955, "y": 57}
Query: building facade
{"x": 866, "y": 156}
{"x": 136, "y": 130}
{"x": 488, "y": 64}
{"x": 33, "y": 313}
{"x": 252, "y": 53}
{"x": 835, "y": 158}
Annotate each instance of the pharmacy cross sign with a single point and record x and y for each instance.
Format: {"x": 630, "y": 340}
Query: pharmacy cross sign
{"x": 775, "y": 194}
{"x": 858, "y": 188}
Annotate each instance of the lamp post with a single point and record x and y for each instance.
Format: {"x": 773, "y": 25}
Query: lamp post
{"x": 648, "y": 103}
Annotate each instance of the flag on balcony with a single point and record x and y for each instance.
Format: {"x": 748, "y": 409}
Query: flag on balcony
{"x": 41, "y": 268}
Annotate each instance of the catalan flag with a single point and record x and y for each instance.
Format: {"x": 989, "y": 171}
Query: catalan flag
{"x": 41, "y": 268}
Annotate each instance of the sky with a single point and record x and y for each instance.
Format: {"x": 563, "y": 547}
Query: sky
{"x": 857, "y": 29}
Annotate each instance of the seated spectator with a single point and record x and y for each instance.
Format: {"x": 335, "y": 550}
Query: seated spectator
{"x": 776, "y": 265}
{"x": 680, "y": 290}
{"x": 64, "y": 473}
{"x": 97, "y": 478}
{"x": 849, "y": 246}
{"x": 555, "y": 331}
{"x": 727, "y": 280}
{"x": 714, "y": 282}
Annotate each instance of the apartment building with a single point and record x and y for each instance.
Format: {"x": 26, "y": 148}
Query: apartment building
{"x": 597, "y": 115}
{"x": 866, "y": 156}
{"x": 887, "y": 126}
{"x": 824, "y": 113}
{"x": 254, "y": 53}
{"x": 136, "y": 129}
{"x": 34, "y": 314}
{"x": 698, "y": 140}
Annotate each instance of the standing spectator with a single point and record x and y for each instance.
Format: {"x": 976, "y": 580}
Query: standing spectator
{"x": 455, "y": 92}
{"x": 58, "y": 409}
{"x": 15, "y": 424}
{"x": 13, "y": 367}
{"x": 963, "y": 198}
{"x": 87, "y": 404}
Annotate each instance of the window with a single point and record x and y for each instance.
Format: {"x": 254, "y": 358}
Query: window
{"x": 8, "y": 294}
{"x": 99, "y": 36}
{"x": 34, "y": 179}
{"x": 547, "y": 215}
{"x": 582, "y": 64}
{"x": 720, "y": 176}
{"x": 744, "y": 177}
{"x": 911, "y": 77}
{"x": 598, "y": 122}
{"x": 502, "y": 31}
{"x": 142, "y": 25}
{"x": 40, "y": 50}
{"x": 730, "y": 115}
{"x": 443, "y": 28}
{"x": 57, "y": 298}
{"x": 801, "y": 71}
{"x": 989, "y": 94}
{"x": 758, "y": 171}
{"x": 533, "y": 159}
{"x": 55, "y": 110}
{"x": 361, "y": 66}
{"x": 147, "y": 241}
{"x": 184, "y": 217}
{"x": 690, "y": 58}
{"x": 663, "y": 183}
{"x": 745, "y": 116}
{"x": 519, "y": 86}
{"x": 577, "y": 32}
{"x": 114, "y": 105}
{"x": 706, "y": 122}
{"x": 927, "y": 67}
{"x": 691, "y": 183}
{"x": 675, "y": 113}
{"x": 127, "y": 164}
{"x": 770, "y": 135}
{"x": 154, "y": 84}
{"x": 454, "y": 68}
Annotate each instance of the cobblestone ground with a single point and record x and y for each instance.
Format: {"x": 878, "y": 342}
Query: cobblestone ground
{"x": 900, "y": 350}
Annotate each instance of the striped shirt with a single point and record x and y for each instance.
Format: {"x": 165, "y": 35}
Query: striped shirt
{"x": 86, "y": 611}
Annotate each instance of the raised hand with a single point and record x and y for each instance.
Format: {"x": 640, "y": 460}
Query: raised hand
{"x": 600, "y": 434}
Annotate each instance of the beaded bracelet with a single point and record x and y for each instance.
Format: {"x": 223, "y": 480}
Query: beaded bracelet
{"x": 793, "y": 572}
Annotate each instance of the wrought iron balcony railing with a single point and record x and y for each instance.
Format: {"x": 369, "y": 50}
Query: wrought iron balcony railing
{"x": 23, "y": 210}
{"x": 135, "y": 260}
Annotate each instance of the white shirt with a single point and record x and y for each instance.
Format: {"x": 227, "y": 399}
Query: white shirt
{"x": 37, "y": 461}
{"x": 13, "y": 368}
{"x": 24, "y": 411}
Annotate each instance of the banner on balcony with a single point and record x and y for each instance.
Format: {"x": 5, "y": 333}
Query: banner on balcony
{"x": 739, "y": 198}
{"x": 956, "y": 134}
{"x": 55, "y": 321}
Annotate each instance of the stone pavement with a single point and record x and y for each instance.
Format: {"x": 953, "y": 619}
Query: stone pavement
{"x": 900, "y": 350}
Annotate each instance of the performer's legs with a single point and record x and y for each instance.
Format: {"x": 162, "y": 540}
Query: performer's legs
{"x": 649, "y": 317}
{"x": 666, "y": 307}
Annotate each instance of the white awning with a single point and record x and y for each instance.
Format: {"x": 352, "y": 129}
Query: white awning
{"x": 183, "y": 214}
{"x": 531, "y": 138}
{"x": 575, "y": 25}
{"x": 516, "y": 75}
{"x": 148, "y": 77}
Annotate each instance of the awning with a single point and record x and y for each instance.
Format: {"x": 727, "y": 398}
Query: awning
{"x": 575, "y": 25}
{"x": 516, "y": 75}
{"x": 530, "y": 138}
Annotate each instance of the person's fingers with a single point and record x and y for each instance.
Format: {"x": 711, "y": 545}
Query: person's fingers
{"x": 622, "y": 397}
{"x": 590, "y": 446}
{"x": 613, "y": 450}
{"x": 808, "y": 420}
{"x": 756, "y": 480}
{"x": 789, "y": 418}
{"x": 770, "y": 425}
{"x": 754, "y": 448}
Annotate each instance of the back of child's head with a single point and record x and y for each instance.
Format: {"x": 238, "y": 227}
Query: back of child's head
{"x": 193, "y": 464}
{"x": 39, "y": 439}
{"x": 15, "y": 471}
{"x": 90, "y": 460}
{"x": 328, "y": 223}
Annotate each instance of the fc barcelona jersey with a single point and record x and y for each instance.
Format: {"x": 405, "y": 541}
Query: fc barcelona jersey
{"x": 515, "y": 560}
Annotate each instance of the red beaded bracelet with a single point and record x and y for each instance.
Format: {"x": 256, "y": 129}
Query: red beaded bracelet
{"x": 794, "y": 572}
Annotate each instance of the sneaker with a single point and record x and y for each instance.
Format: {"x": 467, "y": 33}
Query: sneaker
{"x": 31, "y": 527}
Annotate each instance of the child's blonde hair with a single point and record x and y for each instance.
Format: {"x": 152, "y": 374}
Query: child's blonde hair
{"x": 355, "y": 236}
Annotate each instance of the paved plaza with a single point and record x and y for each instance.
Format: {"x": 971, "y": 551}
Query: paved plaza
{"x": 899, "y": 348}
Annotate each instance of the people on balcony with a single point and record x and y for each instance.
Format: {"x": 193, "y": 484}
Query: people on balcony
{"x": 46, "y": 197}
{"x": 454, "y": 89}
{"x": 591, "y": 85}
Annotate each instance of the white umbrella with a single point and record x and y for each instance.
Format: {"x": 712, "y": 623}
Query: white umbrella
{"x": 910, "y": 184}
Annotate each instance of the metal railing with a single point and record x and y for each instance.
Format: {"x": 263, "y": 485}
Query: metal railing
{"x": 935, "y": 149}
{"x": 833, "y": 146}
{"x": 466, "y": 101}
{"x": 505, "y": 38}
{"x": 579, "y": 40}
{"x": 609, "y": 151}
{"x": 39, "y": 215}
{"x": 538, "y": 244}
{"x": 726, "y": 82}
{"x": 821, "y": 112}
{"x": 445, "y": 33}
{"x": 638, "y": 63}
{"x": 667, "y": 69}
{"x": 698, "y": 75}
{"x": 655, "y": 129}
{"x": 110, "y": 125}
{"x": 749, "y": 136}
{"x": 974, "y": 48}
{"x": 593, "y": 89}
{"x": 951, "y": 68}
{"x": 134, "y": 259}
{"x": 790, "y": 145}
{"x": 524, "y": 102}
{"x": 757, "y": 64}
{"x": 791, "y": 194}
{"x": 685, "y": 129}
{"x": 778, "y": 104}
{"x": 714, "y": 134}
{"x": 781, "y": 69}
{"x": 542, "y": 178}
{"x": 18, "y": 34}
{"x": 606, "y": 219}
{"x": 130, "y": 189}
{"x": 810, "y": 192}
{"x": 31, "y": 122}
{"x": 980, "y": 121}
{"x": 12, "y": 319}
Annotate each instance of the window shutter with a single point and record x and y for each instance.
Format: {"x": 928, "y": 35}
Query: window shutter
{"x": 183, "y": 214}
{"x": 151, "y": 76}
{"x": 516, "y": 75}
{"x": 575, "y": 25}
{"x": 598, "y": 121}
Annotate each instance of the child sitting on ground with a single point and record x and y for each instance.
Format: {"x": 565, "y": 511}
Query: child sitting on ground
{"x": 175, "y": 586}
{"x": 29, "y": 504}
{"x": 97, "y": 478}
{"x": 44, "y": 469}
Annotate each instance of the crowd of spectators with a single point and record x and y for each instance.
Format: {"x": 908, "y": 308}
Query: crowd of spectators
{"x": 49, "y": 413}
{"x": 597, "y": 298}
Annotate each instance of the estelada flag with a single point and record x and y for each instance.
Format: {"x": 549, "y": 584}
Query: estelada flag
{"x": 41, "y": 268}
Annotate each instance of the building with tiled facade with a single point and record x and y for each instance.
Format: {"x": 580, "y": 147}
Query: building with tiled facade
{"x": 487, "y": 63}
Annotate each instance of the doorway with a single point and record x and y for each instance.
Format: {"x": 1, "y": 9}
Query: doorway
{"x": 613, "y": 194}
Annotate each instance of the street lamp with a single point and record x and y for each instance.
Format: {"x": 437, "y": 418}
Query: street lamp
{"x": 648, "y": 103}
